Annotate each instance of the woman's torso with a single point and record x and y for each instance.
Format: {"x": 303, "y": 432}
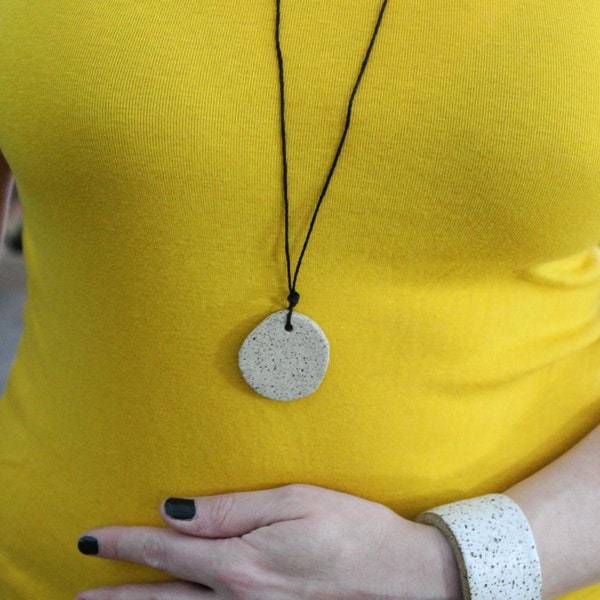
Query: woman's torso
{"x": 454, "y": 265}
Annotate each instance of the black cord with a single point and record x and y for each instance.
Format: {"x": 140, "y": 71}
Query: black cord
{"x": 294, "y": 296}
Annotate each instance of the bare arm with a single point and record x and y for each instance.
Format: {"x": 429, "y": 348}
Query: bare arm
{"x": 340, "y": 560}
{"x": 6, "y": 183}
{"x": 562, "y": 503}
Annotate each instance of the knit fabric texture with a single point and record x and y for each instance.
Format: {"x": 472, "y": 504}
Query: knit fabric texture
{"x": 454, "y": 266}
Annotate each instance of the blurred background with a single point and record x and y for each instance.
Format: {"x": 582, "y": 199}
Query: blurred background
{"x": 12, "y": 290}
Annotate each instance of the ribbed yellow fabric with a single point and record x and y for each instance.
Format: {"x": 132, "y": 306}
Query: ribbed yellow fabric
{"x": 454, "y": 265}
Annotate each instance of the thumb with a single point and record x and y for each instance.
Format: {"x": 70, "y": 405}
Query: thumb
{"x": 234, "y": 515}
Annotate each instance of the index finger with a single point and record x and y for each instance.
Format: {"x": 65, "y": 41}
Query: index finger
{"x": 191, "y": 559}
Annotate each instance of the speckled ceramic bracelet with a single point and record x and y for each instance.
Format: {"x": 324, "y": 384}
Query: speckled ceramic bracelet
{"x": 493, "y": 545}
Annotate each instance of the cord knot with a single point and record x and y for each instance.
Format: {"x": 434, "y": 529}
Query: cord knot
{"x": 293, "y": 299}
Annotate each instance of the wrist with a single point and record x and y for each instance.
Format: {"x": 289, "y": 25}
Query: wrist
{"x": 441, "y": 570}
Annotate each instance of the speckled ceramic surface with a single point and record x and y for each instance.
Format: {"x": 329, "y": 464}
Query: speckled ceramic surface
{"x": 493, "y": 545}
{"x": 285, "y": 365}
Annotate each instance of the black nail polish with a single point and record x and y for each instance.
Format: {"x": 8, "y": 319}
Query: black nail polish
{"x": 181, "y": 509}
{"x": 88, "y": 545}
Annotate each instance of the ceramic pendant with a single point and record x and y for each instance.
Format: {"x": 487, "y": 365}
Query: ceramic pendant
{"x": 285, "y": 365}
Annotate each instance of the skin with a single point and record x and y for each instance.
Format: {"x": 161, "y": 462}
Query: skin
{"x": 6, "y": 181}
{"x": 284, "y": 544}
{"x": 561, "y": 503}
{"x": 302, "y": 542}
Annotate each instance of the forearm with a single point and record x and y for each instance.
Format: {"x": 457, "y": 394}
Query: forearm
{"x": 562, "y": 504}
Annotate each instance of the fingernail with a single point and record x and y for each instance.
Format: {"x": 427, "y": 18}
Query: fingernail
{"x": 88, "y": 545}
{"x": 180, "y": 508}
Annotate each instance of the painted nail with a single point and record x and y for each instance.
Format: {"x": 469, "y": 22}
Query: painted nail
{"x": 181, "y": 509}
{"x": 88, "y": 545}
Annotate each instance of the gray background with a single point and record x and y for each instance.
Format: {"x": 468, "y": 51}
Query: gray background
{"x": 12, "y": 298}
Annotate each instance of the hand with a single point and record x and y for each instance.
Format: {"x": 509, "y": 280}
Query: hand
{"x": 290, "y": 543}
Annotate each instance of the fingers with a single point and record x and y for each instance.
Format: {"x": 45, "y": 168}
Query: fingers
{"x": 235, "y": 515}
{"x": 203, "y": 544}
{"x": 177, "y": 590}
{"x": 184, "y": 557}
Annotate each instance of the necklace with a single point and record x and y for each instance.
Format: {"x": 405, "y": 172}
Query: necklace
{"x": 286, "y": 356}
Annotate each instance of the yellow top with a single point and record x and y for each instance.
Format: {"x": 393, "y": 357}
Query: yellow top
{"x": 454, "y": 265}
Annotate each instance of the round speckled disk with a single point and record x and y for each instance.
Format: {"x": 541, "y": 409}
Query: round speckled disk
{"x": 281, "y": 364}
